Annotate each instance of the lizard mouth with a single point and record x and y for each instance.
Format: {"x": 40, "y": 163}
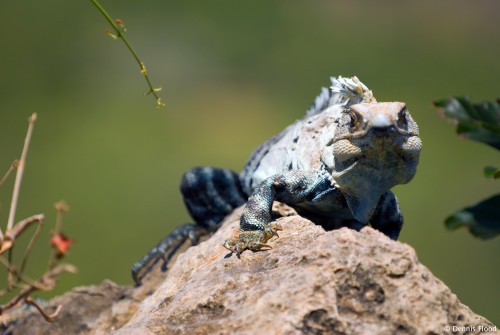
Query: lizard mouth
{"x": 376, "y": 151}
{"x": 377, "y": 132}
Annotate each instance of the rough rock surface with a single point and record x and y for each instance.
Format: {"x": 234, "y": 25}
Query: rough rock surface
{"x": 312, "y": 282}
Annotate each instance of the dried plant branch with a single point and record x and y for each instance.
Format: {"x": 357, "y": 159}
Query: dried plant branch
{"x": 16, "y": 279}
{"x": 47, "y": 317}
{"x": 13, "y": 166}
{"x": 46, "y": 282}
{"x": 13, "y": 275}
{"x": 23, "y": 278}
{"x": 14, "y": 301}
{"x": 61, "y": 208}
{"x": 23, "y": 225}
{"x": 17, "y": 187}
{"x": 19, "y": 174}
{"x": 37, "y": 218}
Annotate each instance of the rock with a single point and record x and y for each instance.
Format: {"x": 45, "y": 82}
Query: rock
{"x": 85, "y": 310}
{"x": 311, "y": 282}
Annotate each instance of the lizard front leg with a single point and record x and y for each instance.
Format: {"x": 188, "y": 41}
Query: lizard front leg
{"x": 292, "y": 187}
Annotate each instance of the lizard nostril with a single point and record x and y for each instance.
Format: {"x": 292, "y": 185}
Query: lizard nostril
{"x": 382, "y": 131}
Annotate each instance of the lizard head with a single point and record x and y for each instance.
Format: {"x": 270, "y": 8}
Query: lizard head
{"x": 375, "y": 147}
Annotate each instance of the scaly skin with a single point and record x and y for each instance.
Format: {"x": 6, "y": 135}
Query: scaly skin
{"x": 336, "y": 166}
{"x": 252, "y": 240}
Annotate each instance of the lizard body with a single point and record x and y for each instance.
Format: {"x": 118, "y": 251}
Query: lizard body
{"x": 335, "y": 166}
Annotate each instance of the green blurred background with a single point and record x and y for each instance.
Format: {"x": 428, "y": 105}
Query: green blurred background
{"x": 233, "y": 74}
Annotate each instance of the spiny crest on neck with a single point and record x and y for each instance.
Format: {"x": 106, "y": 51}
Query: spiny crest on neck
{"x": 343, "y": 91}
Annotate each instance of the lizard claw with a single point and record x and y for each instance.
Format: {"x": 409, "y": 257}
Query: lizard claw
{"x": 252, "y": 239}
{"x": 266, "y": 246}
{"x": 275, "y": 227}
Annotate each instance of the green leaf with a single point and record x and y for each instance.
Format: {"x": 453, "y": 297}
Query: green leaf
{"x": 482, "y": 220}
{"x": 476, "y": 121}
{"x": 491, "y": 172}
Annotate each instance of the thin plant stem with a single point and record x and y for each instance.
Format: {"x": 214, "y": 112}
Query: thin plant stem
{"x": 47, "y": 317}
{"x": 31, "y": 244}
{"x": 12, "y": 269}
{"x": 12, "y": 167}
{"x": 61, "y": 208}
{"x": 120, "y": 34}
{"x": 19, "y": 174}
{"x": 46, "y": 282}
{"x": 17, "y": 188}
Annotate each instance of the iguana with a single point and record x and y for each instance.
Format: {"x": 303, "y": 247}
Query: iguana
{"x": 335, "y": 166}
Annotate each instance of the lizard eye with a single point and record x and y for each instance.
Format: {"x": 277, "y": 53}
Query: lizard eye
{"x": 355, "y": 120}
{"x": 402, "y": 118}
